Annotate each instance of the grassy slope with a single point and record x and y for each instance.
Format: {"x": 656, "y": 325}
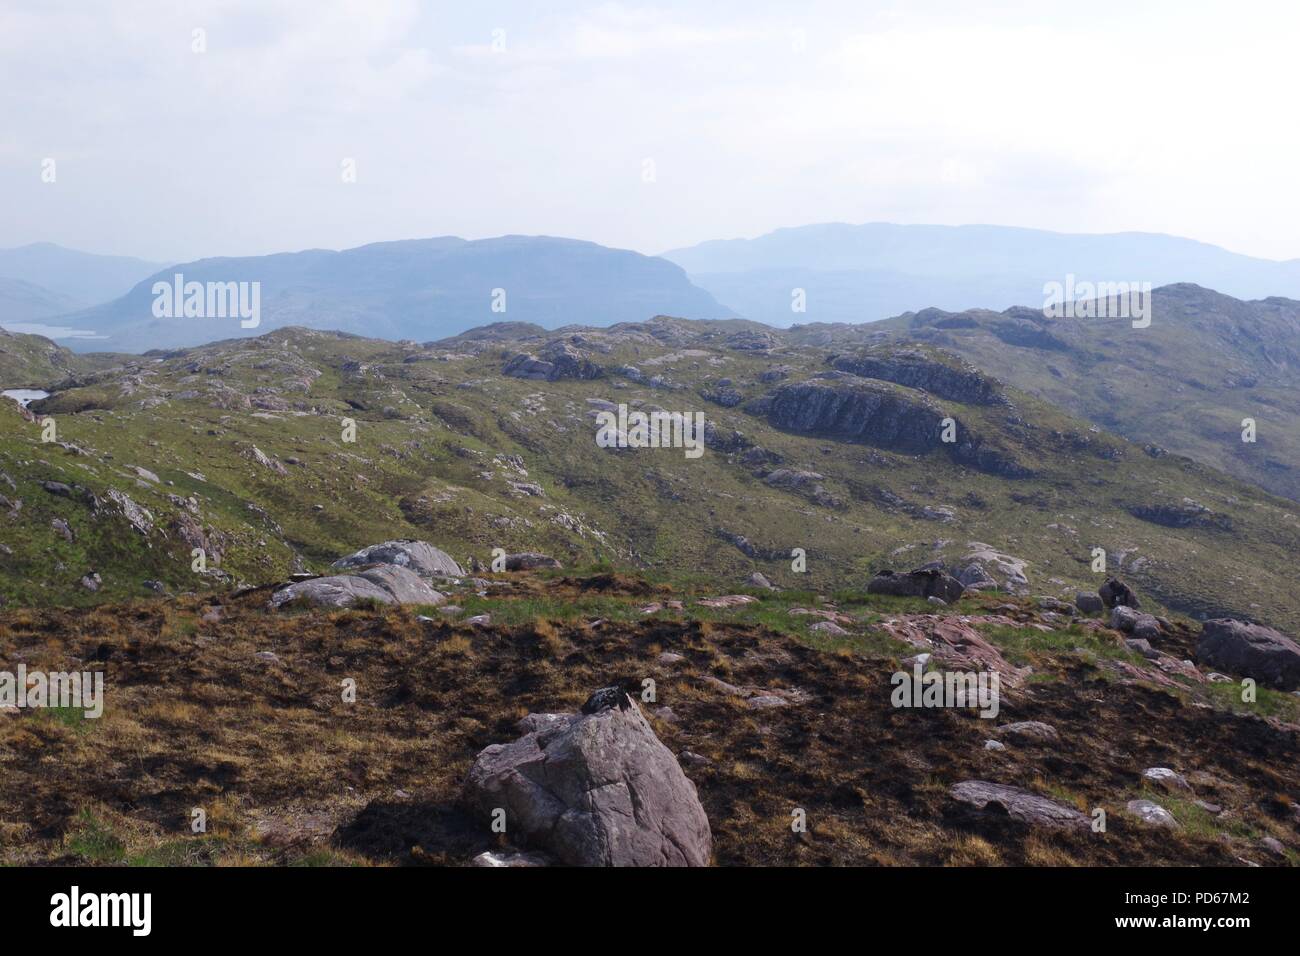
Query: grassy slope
{"x": 1185, "y": 383}
{"x": 432, "y": 420}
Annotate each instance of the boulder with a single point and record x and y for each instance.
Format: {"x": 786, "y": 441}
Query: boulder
{"x": 1029, "y": 730}
{"x": 975, "y": 577}
{"x": 1152, "y": 813}
{"x": 385, "y": 583}
{"x": 1168, "y": 780}
{"x": 1251, "y": 650}
{"x": 922, "y": 583}
{"x": 1089, "y": 602}
{"x": 1056, "y": 606}
{"x": 1142, "y": 626}
{"x": 1006, "y": 570}
{"x": 418, "y": 556}
{"x": 558, "y": 360}
{"x": 496, "y": 858}
{"x": 528, "y": 560}
{"x": 1115, "y": 593}
{"x": 1021, "y": 805}
{"x": 596, "y": 789}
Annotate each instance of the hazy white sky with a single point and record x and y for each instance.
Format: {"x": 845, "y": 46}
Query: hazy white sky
{"x": 1176, "y": 117}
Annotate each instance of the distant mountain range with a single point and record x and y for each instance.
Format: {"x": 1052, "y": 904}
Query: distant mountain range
{"x": 863, "y": 273}
{"x": 427, "y": 289}
{"x": 64, "y": 278}
{"x": 414, "y": 289}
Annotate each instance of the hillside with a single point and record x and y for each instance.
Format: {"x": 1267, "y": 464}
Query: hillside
{"x": 223, "y": 706}
{"x": 33, "y": 360}
{"x": 238, "y": 449}
{"x": 863, "y": 273}
{"x": 1185, "y": 384}
{"x": 417, "y": 289}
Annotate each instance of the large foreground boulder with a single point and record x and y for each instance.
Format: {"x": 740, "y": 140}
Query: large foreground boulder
{"x": 923, "y": 583}
{"x": 385, "y": 583}
{"x": 593, "y": 789}
{"x": 1252, "y": 650}
{"x": 418, "y": 556}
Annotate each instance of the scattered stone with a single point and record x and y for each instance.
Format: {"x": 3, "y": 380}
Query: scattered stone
{"x": 1089, "y": 603}
{"x": 1274, "y": 846}
{"x": 1208, "y": 807}
{"x": 1140, "y": 646}
{"x": 92, "y": 581}
{"x": 728, "y": 600}
{"x": 694, "y": 759}
{"x": 1167, "y": 780}
{"x": 1152, "y": 813}
{"x": 61, "y": 528}
{"x": 496, "y": 858}
{"x": 994, "y": 745}
{"x": 759, "y": 580}
{"x": 1028, "y": 808}
{"x": 479, "y": 620}
{"x": 829, "y": 629}
{"x": 1034, "y": 730}
{"x": 1056, "y": 606}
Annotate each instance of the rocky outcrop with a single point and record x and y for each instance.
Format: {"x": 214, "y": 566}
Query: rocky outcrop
{"x": 1251, "y": 650}
{"x": 957, "y": 382}
{"x": 854, "y": 409}
{"x": 922, "y": 583}
{"x": 385, "y": 583}
{"x": 1184, "y": 514}
{"x": 556, "y": 361}
{"x": 983, "y": 562}
{"x": 418, "y": 556}
{"x": 850, "y": 408}
{"x": 596, "y": 789}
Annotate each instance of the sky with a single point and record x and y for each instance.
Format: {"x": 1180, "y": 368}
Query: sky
{"x": 645, "y": 126}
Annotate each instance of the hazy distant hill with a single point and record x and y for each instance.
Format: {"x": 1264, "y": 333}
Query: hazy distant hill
{"x": 415, "y": 289}
{"x": 22, "y": 301}
{"x": 862, "y": 273}
{"x": 75, "y": 279}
